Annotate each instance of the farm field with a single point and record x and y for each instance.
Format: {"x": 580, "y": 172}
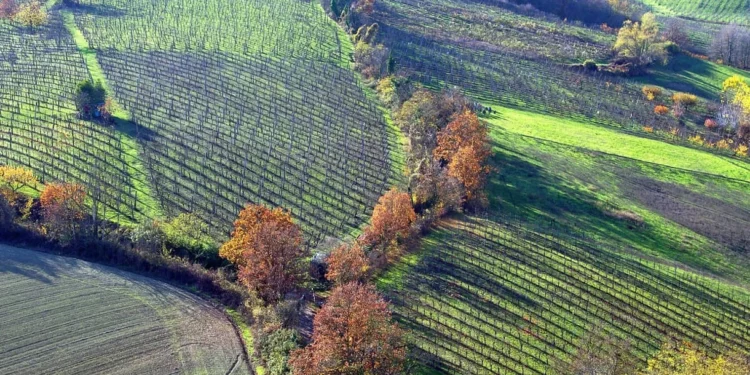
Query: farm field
{"x": 66, "y": 316}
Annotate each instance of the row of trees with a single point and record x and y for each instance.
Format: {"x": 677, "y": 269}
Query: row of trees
{"x": 732, "y": 46}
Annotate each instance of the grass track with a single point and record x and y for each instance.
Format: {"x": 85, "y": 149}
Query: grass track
{"x": 68, "y": 316}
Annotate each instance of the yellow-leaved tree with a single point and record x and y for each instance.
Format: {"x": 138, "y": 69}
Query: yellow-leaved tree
{"x": 638, "y": 41}
{"x": 685, "y": 359}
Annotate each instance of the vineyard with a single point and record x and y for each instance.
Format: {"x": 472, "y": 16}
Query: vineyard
{"x": 722, "y": 11}
{"x": 214, "y": 114}
{"x": 39, "y": 128}
{"x": 588, "y": 228}
{"x": 65, "y": 316}
{"x": 495, "y": 297}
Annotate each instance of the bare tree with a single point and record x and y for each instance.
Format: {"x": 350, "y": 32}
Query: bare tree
{"x": 732, "y": 46}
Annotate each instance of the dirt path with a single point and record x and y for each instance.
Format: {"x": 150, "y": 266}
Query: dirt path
{"x": 66, "y": 316}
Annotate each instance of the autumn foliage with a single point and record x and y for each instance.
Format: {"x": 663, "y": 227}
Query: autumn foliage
{"x": 63, "y": 209}
{"x": 391, "y": 218}
{"x": 347, "y": 263}
{"x": 685, "y": 359}
{"x": 266, "y": 247}
{"x": 352, "y": 334}
{"x": 463, "y": 146}
{"x": 661, "y": 110}
{"x": 12, "y": 179}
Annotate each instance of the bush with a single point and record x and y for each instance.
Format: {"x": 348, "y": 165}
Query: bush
{"x": 590, "y": 65}
{"x": 710, "y": 124}
{"x": 274, "y": 350}
{"x": 188, "y": 234}
{"x": 671, "y": 48}
{"x": 661, "y": 110}
{"x": 651, "y": 92}
{"x": 32, "y": 14}
{"x": 742, "y": 150}
{"x": 685, "y": 99}
{"x": 148, "y": 236}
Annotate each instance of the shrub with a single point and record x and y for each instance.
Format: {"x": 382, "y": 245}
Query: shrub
{"x": 710, "y": 124}
{"x": 347, "y": 263}
{"x": 742, "y": 150}
{"x": 387, "y": 92}
{"x": 687, "y": 359}
{"x": 697, "y": 140}
{"x": 590, "y": 65}
{"x": 8, "y": 8}
{"x": 661, "y": 110}
{"x": 274, "y": 350}
{"x": 724, "y": 144}
{"x": 148, "y": 236}
{"x": 188, "y": 233}
{"x": 651, "y": 92}
{"x": 685, "y": 99}
{"x": 672, "y": 48}
{"x": 648, "y": 129}
{"x": 63, "y": 210}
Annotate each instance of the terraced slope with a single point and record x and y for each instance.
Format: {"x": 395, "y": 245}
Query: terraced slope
{"x": 65, "y": 316}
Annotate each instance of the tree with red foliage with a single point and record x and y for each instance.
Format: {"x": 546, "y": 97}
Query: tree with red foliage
{"x": 352, "y": 334}
{"x": 63, "y": 210}
{"x": 347, "y": 263}
{"x": 266, "y": 246}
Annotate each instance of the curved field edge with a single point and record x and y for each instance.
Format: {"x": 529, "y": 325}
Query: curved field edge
{"x": 69, "y": 316}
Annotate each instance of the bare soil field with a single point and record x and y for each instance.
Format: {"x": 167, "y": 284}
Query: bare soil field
{"x": 66, "y": 316}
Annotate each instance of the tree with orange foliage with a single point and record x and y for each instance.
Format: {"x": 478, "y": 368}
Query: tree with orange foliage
{"x": 352, "y": 334}
{"x": 464, "y": 148}
{"x": 464, "y": 131}
{"x": 266, "y": 246}
{"x": 391, "y": 218}
{"x": 63, "y": 209}
{"x": 347, "y": 263}
{"x": 469, "y": 167}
